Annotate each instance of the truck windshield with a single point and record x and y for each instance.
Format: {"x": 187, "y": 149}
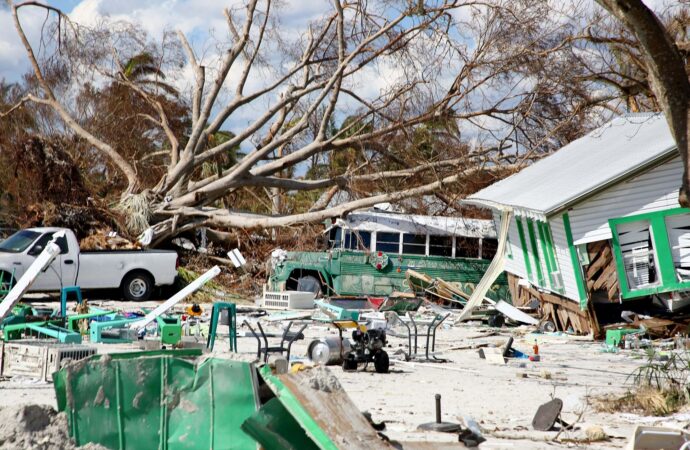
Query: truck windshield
{"x": 19, "y": 241}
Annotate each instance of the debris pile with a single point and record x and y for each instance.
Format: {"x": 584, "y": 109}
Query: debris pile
{"x": 36, "y": 427}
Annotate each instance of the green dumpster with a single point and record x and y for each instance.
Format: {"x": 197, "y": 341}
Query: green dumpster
{"x": 158, "y": 400}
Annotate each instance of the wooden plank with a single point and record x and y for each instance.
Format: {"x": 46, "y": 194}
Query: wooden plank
{"x": 563, "y": 316}
{"x": 602, "y": 260}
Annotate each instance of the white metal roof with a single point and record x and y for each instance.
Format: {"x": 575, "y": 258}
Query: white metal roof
{"x": 606, "y": 155}
{"x": 418, "y": 224}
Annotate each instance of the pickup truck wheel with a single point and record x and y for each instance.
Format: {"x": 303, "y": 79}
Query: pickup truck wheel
{"x": 137, "y": 286}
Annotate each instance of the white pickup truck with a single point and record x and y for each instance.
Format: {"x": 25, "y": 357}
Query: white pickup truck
{"x": 135, "y": 272}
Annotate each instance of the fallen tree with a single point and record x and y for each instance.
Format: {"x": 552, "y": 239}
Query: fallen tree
{"x": 405, "y": 140}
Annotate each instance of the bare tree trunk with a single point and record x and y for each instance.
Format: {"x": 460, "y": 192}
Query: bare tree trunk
{"x": 666, "y": 68}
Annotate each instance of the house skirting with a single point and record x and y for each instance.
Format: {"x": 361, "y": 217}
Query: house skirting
{"x": 564, "y": 313}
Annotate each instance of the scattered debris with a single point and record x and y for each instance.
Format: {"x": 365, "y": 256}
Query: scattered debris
{"x": 548, "y": 415}
{"x": 439, "y": 425}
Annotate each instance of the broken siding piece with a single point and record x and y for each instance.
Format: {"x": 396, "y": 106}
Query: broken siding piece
{"x": 323, "y": 409}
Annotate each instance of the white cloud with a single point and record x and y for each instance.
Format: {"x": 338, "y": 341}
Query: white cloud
{"x": 13, "y": 60}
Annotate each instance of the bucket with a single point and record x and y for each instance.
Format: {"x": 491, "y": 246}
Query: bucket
{"x": 327, "y": 351}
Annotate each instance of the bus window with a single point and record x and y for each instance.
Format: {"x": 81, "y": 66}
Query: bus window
{"x": 357, "y": 240}
{"x": 414, "y": 244}
{"x": 489, "y": 247}
{"x": 441, "y": 246}
{"x": 387, "y": 242}
{"x": 334, "y": 237}
{"x": 466, "y": 247}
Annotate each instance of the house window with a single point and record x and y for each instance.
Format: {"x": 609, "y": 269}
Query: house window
{"x": 387, "y": 242}
{"x": 441, "y": 246}
{"x": 414, "y": 244}
{"x": 637, "y": 248}
{"x": 678, "y": 230}
{"x": 466, "y": 247}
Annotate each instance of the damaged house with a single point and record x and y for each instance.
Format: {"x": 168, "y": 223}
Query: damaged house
{"x": 598, "y": 221}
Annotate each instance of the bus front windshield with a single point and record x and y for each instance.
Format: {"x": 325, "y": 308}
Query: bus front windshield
{"x": 19, "y": 241}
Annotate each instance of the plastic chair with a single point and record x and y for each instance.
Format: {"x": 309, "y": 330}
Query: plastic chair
{"x": 63, "y": 297}
{"x": 232, "y": 324}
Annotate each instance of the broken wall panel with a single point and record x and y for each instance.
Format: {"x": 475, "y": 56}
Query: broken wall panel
{"x": 601, "y": 275}
{"x": 564, "y": 313}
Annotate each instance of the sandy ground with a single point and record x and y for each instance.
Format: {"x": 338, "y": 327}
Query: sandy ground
{"x": 501, "y": 398}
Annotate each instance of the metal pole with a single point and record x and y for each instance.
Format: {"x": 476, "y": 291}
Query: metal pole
{"x": 438, "y": 408}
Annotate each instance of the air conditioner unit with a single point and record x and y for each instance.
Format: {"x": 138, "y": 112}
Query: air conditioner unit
{"x": 288, "y": 300}
{"x": 39, "y": 358}
{"x": 637, "y": 266}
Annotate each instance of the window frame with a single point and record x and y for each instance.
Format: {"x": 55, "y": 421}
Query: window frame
{"x": 668, "y": 281}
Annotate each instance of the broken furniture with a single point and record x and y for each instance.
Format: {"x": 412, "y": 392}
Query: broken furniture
{"x": 548, "y": 415}
{"x": 45, "y": 328}
{"x": 231, "y": 310}
{"x": 439, "y": 425}
{"x": 113, "y": 331}
{"x": 93, "y": 314}
{"x": 64, "y": 293}
{"x": 329, "y": 311}
{"x": 414, "y": 333}
{"x": 285, "y": 336}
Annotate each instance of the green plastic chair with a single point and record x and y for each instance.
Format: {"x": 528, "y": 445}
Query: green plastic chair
{"x": 232, "y": 324}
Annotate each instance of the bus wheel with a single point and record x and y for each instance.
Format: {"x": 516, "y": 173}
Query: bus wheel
{"x": 309, "y": 283}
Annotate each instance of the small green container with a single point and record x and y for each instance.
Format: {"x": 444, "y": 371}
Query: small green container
{"x": 615, "y": 337}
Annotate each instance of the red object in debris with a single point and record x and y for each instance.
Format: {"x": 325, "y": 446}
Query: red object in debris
{"x": 535, "y": 358}
{"x": 380, "y": 254}
{"x": 378, "y": 266}
{"x": 399, "y": 270}
{"x": 535, "y": 347}
{"x": 376, "y": 301}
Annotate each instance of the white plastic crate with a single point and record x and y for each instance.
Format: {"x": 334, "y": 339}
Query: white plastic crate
{"x": 39, "y": 358}
{"x": 288, "y": 300}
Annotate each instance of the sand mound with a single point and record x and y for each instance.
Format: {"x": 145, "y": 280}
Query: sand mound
{"x": 35, "y": 427}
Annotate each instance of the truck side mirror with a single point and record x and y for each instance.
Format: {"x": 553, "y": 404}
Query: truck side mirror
{"x": 36, "y": 250}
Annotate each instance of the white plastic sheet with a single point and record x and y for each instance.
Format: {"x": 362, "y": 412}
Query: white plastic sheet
{"x": 494, "y": 270}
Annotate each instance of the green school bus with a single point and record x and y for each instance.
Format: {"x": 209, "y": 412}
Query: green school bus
{"x": 368, "y": 253}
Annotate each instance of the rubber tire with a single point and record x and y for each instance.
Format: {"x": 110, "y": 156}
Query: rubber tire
{"x": 131, "y": 278}
{"x": 349, "y": 364}
{"x": 381, "y": 362}
{"x": 309, "y": 283}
